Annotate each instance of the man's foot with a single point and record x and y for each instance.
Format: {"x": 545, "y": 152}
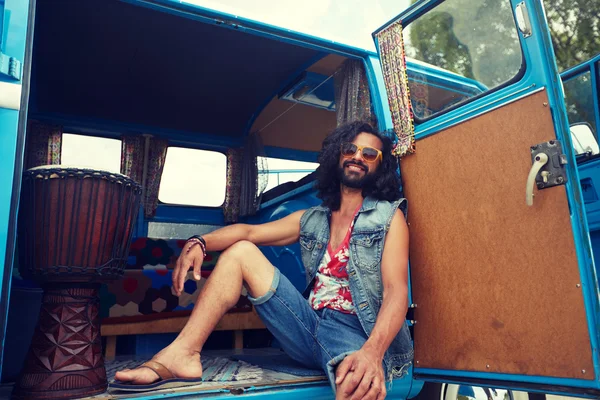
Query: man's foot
{"x": 181, "y": 362}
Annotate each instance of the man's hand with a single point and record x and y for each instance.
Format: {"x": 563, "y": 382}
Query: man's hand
{"x": 360, "y": 376}
{"x": 191, "y": 256}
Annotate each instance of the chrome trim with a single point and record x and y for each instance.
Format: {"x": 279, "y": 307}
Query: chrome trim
{"x": 523, "y": 21}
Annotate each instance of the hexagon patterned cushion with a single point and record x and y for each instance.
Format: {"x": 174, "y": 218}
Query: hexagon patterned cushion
{"x": 145, "y": 290}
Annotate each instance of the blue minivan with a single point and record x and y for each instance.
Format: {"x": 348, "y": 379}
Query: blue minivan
{"x": 201, "y": 108}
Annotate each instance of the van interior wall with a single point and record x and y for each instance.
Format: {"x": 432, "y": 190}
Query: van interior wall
{"x": 297, "y": 126}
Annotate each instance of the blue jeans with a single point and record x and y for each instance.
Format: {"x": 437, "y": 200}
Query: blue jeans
{"x": 315, "y": 339}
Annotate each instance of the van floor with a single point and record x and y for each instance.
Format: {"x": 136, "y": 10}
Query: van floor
{"x": 224, "y": 371}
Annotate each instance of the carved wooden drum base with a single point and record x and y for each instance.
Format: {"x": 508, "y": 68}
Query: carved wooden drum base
{"x": 65, "y": 356}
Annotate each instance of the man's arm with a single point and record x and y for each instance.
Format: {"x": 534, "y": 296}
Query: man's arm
{"x": 394, "y": 275}
{"x": 366, "y": 364}
{"x": 277, "y": 233}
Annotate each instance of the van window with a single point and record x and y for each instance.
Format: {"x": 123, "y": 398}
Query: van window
{"x": 193, "y": 177}
{"x": 91, "y": 152}
{"x": 462, "y": 48}
{"x": 579, "y": 100}
{"x": 281, "y": 171}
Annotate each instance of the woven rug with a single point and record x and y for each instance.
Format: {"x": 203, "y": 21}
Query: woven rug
{"x": 214, "y": 369}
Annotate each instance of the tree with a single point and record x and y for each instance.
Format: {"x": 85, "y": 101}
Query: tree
{"x": 476, "y": 40}
{"x": 479, "y": 40}
{"x": 435, "y": 41}
{"x": 575, "y": 30}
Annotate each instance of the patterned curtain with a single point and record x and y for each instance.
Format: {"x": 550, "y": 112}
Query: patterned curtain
{"x": 393, "y": 64}
{"x": 231, "y": 205}
{"x": 247, "y": 178}
{"x": 43, "y": 144}
{"x": 156, "y": 161}
{"x": 132, "y": 165}
{"x": 352, "y": 95}
{"x": 132, "y": 157}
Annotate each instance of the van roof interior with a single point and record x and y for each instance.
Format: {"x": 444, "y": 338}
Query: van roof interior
{"x": 110, "y": 63}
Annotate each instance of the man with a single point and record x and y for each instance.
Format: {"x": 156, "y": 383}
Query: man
{"x": 355, "y": 251}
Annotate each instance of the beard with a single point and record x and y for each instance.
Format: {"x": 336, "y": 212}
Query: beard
{"x": 354, "y": 181}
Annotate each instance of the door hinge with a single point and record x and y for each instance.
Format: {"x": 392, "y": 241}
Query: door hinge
{"x": 553, "y": 173}
{"x": 10, "y": 67}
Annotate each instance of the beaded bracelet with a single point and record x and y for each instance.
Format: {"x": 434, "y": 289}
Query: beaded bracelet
{"x": 198, "y": 237}
{"x": 197, "y": 240}
{"x": 199, "y": 244}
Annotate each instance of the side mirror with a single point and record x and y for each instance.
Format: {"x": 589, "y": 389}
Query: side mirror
{"x": 584, "y": 141}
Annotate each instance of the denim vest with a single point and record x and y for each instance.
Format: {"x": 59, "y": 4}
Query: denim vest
{"x": 364, "y": 267}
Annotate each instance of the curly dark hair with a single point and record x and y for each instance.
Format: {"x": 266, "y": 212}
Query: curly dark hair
{"x": 384, "y": 186}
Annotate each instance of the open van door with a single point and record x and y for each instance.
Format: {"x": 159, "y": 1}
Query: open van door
{"x": 16, "y": 21}
{"x": 501, "y": 264}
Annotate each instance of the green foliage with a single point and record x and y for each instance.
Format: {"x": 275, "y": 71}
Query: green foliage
{"x": 575, "y": 30}
{"x": 479, "y": 39}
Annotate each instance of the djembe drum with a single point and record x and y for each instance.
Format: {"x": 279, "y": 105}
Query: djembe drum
{"x": 74, "y": 232}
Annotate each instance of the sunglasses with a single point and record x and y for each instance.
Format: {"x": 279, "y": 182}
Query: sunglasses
{"x": 368, "y": 153}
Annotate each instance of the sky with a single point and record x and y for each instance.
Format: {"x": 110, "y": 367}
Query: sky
{"x": 346, "y": 21}
{"x": 91, "y": 152}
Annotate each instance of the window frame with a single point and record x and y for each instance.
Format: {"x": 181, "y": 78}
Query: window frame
{"x": 593, "y": 67}
{"x": 591, "y": 88}
{"x": 519, "y": 75}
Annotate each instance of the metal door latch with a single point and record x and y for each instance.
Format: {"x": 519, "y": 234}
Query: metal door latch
{"x": 548, "y": 167}
{"x": 553, "y": 172}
